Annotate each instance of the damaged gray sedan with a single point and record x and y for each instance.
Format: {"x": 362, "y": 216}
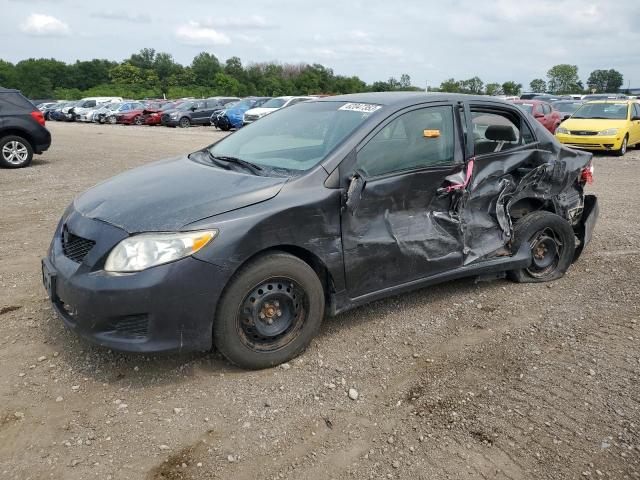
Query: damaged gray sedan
{"x": 247, "y": 244}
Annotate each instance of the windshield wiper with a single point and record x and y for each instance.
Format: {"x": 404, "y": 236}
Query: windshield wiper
{"x": 238, "y": 161}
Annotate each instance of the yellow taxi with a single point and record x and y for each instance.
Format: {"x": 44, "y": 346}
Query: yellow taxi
{"x": 611, "y": 125}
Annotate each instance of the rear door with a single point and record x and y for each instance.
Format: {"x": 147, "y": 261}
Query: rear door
{"x": 399, "y": 231}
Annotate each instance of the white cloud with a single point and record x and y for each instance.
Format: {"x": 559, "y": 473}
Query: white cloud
{"x": 248, "y": 22}
{"x": 44, "y": 25}
{"x": 194, "y": 33}
{"x": 122, "y": 15}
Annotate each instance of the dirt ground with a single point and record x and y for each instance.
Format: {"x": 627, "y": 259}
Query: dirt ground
{"x": 465, "y": 380}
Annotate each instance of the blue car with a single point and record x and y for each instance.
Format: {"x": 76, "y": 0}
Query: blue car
{"x": 232, "y": 117}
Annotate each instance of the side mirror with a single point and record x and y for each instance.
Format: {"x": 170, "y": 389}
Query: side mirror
{"x": 354, "y": 192}
{"x": 194, "y": 108}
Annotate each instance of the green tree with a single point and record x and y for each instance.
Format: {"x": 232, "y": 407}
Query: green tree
{"x": 6, "y": 74}
{"x": 538, "y": 85}
{"x": 607, "y": 81}
{"x": 451, "y": 85}
{"x": 144, "y": 59}
{"x": 473, "y": 85}
{"x": 205, "y": 66}
{"x": 225, "y": 84}
{"x": 563, "y": 78}
{"x": 493, "y": 89}
{"x": 511, "y": 88}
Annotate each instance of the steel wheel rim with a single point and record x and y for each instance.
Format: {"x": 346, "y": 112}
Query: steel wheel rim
{"x": 546, "y": 251}
{"x": 272, "y": 314}
{"x": 15, "y": 152}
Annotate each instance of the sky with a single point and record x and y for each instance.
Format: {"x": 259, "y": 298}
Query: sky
{"x": 497, "y": 40}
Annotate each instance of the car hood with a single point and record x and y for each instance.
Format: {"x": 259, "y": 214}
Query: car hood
{"x": 593, "y": 124}
{"x": 260, "y": 111}
{"x": 170, "y": 194}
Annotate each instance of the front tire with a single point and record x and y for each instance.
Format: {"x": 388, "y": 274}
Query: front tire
{"x": 138, "y": 120}
{"x": 270, "y": 312}
{"x": 552, "y": 243}
{"x": 623, "y": 148}
{"x": 111, "y": 120}
{"x": 15, "y": 152}
{"x": 184, "y": 122}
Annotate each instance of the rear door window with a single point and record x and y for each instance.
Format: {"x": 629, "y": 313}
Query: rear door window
{"x": 495, "y": 131}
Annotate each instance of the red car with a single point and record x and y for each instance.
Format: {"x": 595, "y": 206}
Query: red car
{"x": 541, "y": 111}
{"x": 153, "y": 116}
{"x": 136, "y": 115}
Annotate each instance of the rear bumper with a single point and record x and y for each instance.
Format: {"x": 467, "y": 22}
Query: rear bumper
{"x": 41, "y": 140}
{"x": 584, "y": 229}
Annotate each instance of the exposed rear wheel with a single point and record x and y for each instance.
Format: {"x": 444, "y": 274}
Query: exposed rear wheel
{"x": 15, "y": 152}
{"x": 270, "y": 311}
{"x": 552, "y": 243}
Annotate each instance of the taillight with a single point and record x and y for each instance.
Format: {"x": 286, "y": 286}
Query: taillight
{"x": 587, "y": 173}
{"x": 38, "y": 117}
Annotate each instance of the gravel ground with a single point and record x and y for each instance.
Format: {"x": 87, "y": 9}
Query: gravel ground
{"x": 463, "y": 380}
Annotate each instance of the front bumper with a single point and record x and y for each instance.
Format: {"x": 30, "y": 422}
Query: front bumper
{"x": 591, "y": 142}
{"x": 171, "y": 122}
{"x": 165, "y": 308}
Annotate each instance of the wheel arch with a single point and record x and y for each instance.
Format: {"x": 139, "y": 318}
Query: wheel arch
{"x": 307, "y": 256}
{"x": 526, "y": 205}
{"x": 17, "y": 132}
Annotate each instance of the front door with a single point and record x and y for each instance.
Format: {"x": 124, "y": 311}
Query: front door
{"x": 400, "y": 230}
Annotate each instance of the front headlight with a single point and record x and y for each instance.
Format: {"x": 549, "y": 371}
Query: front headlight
{"x": 173, "y": 115}
{"x": 562, "y": 130}
{"x": 609, "y": 132}
{"x": 146, "y": 250}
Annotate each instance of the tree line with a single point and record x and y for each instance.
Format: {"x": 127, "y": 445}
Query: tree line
{"x": 151, "y": 74}
{"x": 561, "y": 79}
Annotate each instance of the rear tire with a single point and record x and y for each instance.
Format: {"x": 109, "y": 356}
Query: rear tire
{"x": 15, "y": 152}
{"x": 623, "y": 148}
{"x": 552, "y": 243}
{"x": 138, "y": 120}
{"x": 269, "y": 312}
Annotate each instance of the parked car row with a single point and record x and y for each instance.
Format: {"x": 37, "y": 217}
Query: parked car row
{"x": 225, "y": 113}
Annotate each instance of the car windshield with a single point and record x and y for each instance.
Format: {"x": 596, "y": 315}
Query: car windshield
{"x": 186, "y": 105}
{"x": 610, "y": 111}
{"x": 274, "y": 103}
{"x": 294, "y": 139}
{"x": 527, "y": 107}
{"x": 246, "y": 103}
{"x": 567, "y": 107}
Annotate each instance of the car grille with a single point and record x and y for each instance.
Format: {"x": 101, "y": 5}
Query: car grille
{"x": 75, "y": 247}
{"x": 132, "y": 326}
{"x": 250, "y": 118}
{"x": 583, "y": 132}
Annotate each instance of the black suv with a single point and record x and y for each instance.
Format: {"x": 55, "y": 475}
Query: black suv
{"x": 22, "y": 130}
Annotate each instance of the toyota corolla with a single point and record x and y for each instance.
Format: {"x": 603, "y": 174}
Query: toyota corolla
{"x": 247, "y": 244}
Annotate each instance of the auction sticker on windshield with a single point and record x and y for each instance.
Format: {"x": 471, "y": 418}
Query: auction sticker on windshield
{"x": 360, "y": 107}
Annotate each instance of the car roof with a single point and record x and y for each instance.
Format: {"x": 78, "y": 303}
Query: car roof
{"x": 531, "y": 100}
{"x": 611, "y": 100}
{"x": 406, "y": 98}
